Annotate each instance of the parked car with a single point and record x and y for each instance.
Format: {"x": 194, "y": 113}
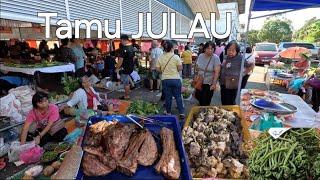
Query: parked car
{"x": 265, "y": 52}
{"x": 314, "y": 50}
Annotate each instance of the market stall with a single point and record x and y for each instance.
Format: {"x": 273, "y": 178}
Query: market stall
{"x": 31, "y": 70}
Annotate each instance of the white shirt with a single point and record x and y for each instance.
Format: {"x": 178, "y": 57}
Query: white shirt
{"x": 80, "y": 98}
{"x": 250, "y": 58}
{"x": 155, "y": 54}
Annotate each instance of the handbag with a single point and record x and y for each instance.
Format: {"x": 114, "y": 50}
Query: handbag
{"x": 57, "y": 126}
{"x": 231, "y": 82}
{"x": 198, "y": 79}
{"x": 166, "y": 64}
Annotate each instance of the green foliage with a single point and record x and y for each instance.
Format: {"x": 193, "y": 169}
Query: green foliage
{"x": 70, "y": 84}
{"x": 276, "y": 31}
{"x": 143, "y": 108}
{"x": 310, "y": 32}
{"x": 253, "y": 37}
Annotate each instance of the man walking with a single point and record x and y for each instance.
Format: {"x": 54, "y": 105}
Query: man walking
{"x": 125, "y": 64}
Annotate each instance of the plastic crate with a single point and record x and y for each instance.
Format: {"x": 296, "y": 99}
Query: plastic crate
{"x": 149, "y": 172}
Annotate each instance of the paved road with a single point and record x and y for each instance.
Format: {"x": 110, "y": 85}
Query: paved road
{"x": 256, "y": 81}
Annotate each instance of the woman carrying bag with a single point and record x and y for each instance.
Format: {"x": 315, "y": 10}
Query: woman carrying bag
{"x": 169, "y": 65}
{"x": 230, "y": 72}
{"x": 208, "y": 70}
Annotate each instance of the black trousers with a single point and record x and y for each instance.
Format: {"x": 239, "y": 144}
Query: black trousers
{"x": 57, "y": 137}
{"x": 244, "y": 81}
{"x": 204, "y": 96}
{"x": 315, "y": 99}
{"x": 228, "y": 96}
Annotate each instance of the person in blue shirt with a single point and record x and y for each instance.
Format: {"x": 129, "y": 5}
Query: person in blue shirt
{"x": 80, "y": 57}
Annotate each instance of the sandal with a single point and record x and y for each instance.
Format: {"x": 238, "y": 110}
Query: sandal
{"x": 124, "y": 98}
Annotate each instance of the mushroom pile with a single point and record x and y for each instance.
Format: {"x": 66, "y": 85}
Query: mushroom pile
{"x": 213, "y": 143}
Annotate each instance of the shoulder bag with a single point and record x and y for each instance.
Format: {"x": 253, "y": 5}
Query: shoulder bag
{"x": 198, "y": 79}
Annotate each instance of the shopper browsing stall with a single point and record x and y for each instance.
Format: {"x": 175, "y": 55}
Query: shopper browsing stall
{"x": 230, "y": 73}
{"x": 80, "y": 57}
{"x": 208, "y": 70}
{"x": 169, "y": 65}
{"x": 187, "y": 62}
{"x": 250, "y": 59}
{"x": 49, "y": 127}
{"x": 156, "y": 52}
{"x": 125, "y": 64}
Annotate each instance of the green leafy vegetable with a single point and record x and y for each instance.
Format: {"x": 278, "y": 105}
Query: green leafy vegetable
{"x": 143, "y": 108}
{"x": 70, "y": 84}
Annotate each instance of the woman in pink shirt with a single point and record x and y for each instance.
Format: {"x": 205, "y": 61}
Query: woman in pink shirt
{"x": 43, "y": 116}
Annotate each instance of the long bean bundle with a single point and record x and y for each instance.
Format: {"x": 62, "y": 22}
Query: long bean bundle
{"x": 291, "y": 156}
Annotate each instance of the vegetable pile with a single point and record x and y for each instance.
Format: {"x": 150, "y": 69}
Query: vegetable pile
{"x": 291, "y": 156}
{"x": 49, "y": 157}
{"x": 36, "y": 65}
{"x": 56, "y": 98}
{"x": 143, "y": 108}
{"x": 70, "y": 84}
{"x": 187, "y": 89}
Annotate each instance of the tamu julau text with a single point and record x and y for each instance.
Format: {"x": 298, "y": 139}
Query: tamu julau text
{"x": 64, "y": 29}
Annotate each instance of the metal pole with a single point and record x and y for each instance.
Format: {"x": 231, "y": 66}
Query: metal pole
{"x": 243, "y": 58}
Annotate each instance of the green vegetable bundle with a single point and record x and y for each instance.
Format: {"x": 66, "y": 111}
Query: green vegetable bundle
{"x": 70, "y": 84}
{"x": 289, "y": 157}
{"x": 143, "y": 108}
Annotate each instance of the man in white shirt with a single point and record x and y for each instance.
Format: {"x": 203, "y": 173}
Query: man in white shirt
{"x": 156, "y": 52}
{"x": 249, "y": 57}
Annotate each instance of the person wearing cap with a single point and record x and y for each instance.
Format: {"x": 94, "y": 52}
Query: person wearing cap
{"x": 125, "y": 65}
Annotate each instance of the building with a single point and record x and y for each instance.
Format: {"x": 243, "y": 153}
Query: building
{"x": 124, "y": 10}
{"x": 224, "y": 6}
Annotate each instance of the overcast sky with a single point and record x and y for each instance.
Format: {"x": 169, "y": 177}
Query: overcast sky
{"x": 298, "y": 18}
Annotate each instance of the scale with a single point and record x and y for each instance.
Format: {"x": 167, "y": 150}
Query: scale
{"x": 270, "y": 110}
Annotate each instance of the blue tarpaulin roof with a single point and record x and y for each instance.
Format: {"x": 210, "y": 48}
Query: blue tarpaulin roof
{"x": 267, "y": 5}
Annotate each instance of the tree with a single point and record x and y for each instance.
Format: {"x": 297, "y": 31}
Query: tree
{"x": 310, "y": 32}
{"x": 253, "y": 37}
{"x": 276, "y": 31}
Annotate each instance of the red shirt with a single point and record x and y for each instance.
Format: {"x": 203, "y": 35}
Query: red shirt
{"x": 90, "y": 96}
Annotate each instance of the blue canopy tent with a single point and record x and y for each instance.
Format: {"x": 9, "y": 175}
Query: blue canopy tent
{"x": 268, "y": 5}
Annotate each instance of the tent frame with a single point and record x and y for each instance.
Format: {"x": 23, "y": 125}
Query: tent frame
{"x": 247, "y": 32}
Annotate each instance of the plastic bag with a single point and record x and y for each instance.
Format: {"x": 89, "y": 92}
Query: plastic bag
{"x": 16, "y": 149}
{"x": 32, "y": 155}
{"x": 266, "y": 122}
{"x": 73, "y": 136}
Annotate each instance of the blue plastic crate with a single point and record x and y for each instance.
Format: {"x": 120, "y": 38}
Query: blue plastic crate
{"x": 149, "y": 172}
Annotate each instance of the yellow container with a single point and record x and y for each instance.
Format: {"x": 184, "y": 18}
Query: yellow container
{"x": 234, "y": 108}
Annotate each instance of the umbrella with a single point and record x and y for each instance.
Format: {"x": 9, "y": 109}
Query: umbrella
{"x": 294, "y": 53}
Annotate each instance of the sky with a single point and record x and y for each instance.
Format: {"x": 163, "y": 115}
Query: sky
{"x": 298, "y": 18}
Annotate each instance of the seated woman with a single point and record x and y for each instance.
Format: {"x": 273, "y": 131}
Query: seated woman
{"x": 46, "y": 118}
{"x": 86, "y": 97}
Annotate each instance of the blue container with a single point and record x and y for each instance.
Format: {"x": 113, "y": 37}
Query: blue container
{"x": 149, "y": 172}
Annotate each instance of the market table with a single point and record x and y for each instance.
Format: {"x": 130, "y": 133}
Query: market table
{"x": 305, "y": 116}
{"x": 31, "y": 71}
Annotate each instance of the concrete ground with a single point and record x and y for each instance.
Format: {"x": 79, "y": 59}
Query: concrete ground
{"x": 256, "y": 81}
